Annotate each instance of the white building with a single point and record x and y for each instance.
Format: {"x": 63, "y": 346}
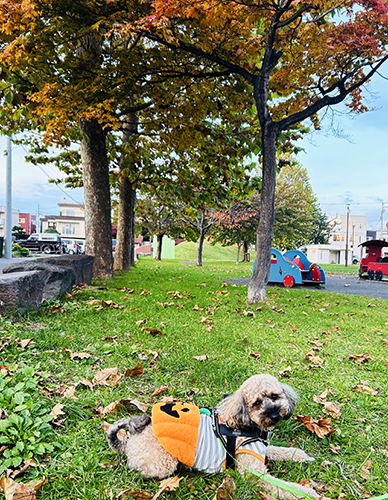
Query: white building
{"x": 15, "y": 219}
{"x": 343, "y": 236}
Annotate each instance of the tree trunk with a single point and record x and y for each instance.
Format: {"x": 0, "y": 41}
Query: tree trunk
{"x": 238, "y": 253}
{"x": 125, "y": 240}
{"x": 98, "y": 224}
{"x": 202, "y": 234}
{"x": 159, "y": 247}
{"x": 257, "y": 288}
{"x": 245, "y": 251}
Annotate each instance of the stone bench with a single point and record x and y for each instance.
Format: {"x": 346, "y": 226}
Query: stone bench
{"x": 19, "y": 287}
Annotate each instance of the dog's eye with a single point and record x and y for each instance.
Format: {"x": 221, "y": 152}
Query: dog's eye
{"x": 274, "y": 397}
{"x": 257, "y": 403}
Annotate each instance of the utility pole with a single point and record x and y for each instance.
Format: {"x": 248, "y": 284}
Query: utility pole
{"x": 347, "y": 235}
{"x": 8, "y": 201}
{"x": 382, "y": 220}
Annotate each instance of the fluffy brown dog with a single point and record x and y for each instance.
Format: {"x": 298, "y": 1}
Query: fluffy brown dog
{"x": 259, "y": 405}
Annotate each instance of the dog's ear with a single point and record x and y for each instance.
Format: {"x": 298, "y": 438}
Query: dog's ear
{"x": 235, "y": 412}
{"x": 291, "y": 397}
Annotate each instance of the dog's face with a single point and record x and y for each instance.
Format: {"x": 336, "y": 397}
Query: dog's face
{"x": 260, "y": 402}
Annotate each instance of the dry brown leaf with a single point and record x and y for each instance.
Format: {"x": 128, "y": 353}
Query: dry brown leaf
{"x": 265, "y": 496}
{"x": 249, "y": 313}
{"x": 255, "y": 355}
{"x": 134, "y": 372}
{"x": 320, "y": 427}
{"x": 57, "y": 410}
{"x": 20, "y": 491}
{"x": 152, "y": 331}
{"x": 110, "y": 409}
{"x": 69, "y": 392}
{"x": 286, "y": 372}
{"x": 197, "y": 308}
{"x": 137, "y": 495}
{"x": 365, "y": 389}
{"x": 86, "y": 382}
{"x": 161, "y": 389}
{"x": 204, "y": 319}
{"x": 56, "y": 309}
{"x": 226, "y": 489}
{"x": 332, "y": 409}
{"x": 108, "y": 376}
{"x": 360, "y": 358}
{"x": 293, "y": 329}
{"x": 25, "y": 342}
{"x": 171, "y": 484}
{"x": 210, "y": 328}
{"x": 201, "y": 358}
{"x": 80, "y": 355}
{"x": 30, "y": 462}
{"x": 140, "y": 406}
{"x": 364, "y": 473}
{"x": 111, "y": 304}
{"x": 313, "y": 358}
{"x": 335, "y": 449}
{"x": 109, "y": 339}
{"x": 322, "y": 398}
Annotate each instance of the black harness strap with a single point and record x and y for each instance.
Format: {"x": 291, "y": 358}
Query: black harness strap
{"x": 222, "y": 431}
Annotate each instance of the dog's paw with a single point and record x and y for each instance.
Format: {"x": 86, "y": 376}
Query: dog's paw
{"x": 301, "y": 456}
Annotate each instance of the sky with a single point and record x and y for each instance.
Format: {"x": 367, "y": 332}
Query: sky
{"x": 350, "y": 167}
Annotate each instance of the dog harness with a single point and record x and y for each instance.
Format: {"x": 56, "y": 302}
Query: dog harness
{"x": 198, "y": 438}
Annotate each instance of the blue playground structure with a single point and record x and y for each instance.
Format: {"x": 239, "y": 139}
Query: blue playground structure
{"x": 293, "y": 268}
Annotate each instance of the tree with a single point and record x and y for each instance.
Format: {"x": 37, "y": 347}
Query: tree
{"x": 296, "y": 58}
{"x": 158, "y": 219}
{"x": 321, "y": 228}
{"x": 236, "y": 226}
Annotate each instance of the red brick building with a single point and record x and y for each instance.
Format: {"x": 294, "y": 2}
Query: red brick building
{"x": 28, "y": 223}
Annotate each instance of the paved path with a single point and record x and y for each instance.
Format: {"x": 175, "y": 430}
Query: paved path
{"x": 342, "y": 283}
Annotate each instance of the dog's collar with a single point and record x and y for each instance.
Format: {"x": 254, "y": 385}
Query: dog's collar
{"x": 222, "y": 430}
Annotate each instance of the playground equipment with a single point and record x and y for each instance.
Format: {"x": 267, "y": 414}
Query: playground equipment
{"x": 293, "y": 268}
{"x": 373, "y": 266}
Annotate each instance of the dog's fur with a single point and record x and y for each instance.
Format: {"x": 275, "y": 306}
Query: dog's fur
{"x": 261, "y": 402}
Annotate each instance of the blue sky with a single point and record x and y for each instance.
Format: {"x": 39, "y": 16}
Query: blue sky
{"x": 349, "y": 169}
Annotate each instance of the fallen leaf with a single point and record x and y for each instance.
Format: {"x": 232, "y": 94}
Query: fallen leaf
{"x": 322, "y": 397}
{"x": 201, "y": 358}
{"x": 285, "y": 373}
{"x": 226, "y": 489}
{"x": 20, "y": 491}
{"x": 161, "y": 389}
{"x": 110, "y": 409}
{"x": 140, "y": 406}
{"x": 69, "y": 392}
{"x": 56, "y": 309}
{"x": 335, "y": 449}
{"x": 171, "y": 483}
{"x": 210, "y": 328}
{"x": 293, "y": 329}
{"x": 30, "y": 462}
{"x": 265, "y": 496}
{"x": 80, "y": 355}
{"x": 255, "y": 355}
{"x": 204, "y": 319}
{"x": 313, "y": 358}
{"x": 332, "y": 409}
{"x": 365, "y": 389}
{"x": 137, "y": 495}
{"x": 197, "y": 308}
{"x": 25, "y": 342}
{"x": 360, "y": 358}
{"x": 111, "y": 304}
{"x": 57, "y": 410}
{"x": 320, "y": 427}
{"x": 109, "y": 339}
{"x": 108, "y": 376}
{"x": 134, "y": 372}
{"x": 249, "y": 313}
{"x": 152, "y": 331}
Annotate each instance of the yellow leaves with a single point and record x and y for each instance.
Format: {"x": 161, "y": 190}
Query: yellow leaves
{"x": 169, "y": 484}
{"x": 360, "y": 358}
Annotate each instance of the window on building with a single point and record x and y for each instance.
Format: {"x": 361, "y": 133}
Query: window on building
{"x": 22, "y": 221}
{"x": 342, "y": 237}
{"x": 70, "y": 212}
{"x": 68, "y": 228}
{"x": 52, "y": 225}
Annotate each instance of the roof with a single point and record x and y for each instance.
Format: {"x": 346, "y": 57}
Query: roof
{"x": 380, "y": 243}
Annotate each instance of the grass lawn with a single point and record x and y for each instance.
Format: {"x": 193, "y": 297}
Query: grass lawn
{"x": 206, "y": 341}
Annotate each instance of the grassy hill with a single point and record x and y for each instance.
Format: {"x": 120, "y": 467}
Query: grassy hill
{"x": 187, "y": 251}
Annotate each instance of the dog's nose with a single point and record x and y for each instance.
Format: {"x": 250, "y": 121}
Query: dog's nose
{"x": 275, "y": 415}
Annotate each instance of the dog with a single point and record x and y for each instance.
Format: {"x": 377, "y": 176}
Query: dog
{"x": 247, "y": 419}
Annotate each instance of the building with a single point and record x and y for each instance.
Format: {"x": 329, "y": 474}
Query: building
{"x": 70, "y": 223}
{"x": 28, "y": 223}
{"x": 343, "y": 236}
{"x": 15, "y": 219}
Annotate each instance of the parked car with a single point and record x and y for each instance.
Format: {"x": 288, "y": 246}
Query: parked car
{"x": 43, "y": 242}
{"x": 73, "y": 247}
{"x": 355, "y": 260}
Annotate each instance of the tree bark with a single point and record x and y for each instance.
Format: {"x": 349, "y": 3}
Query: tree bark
{"x": 257, "y": 287}
{"x": 238, "y": 253}
{"x": 200, "y": 247}
{"x": 125, "y": 240}
{"x": 159, "y": 247}
{"x": 245, "y": 251}
{"x": 98, "y": 224}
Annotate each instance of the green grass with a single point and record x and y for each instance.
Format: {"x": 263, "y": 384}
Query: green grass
{"x": 336, "y": 325}
{"x": 187, "y": 251}
{"x": 340, "y": 268}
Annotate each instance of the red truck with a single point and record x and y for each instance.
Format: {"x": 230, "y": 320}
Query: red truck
{"x": 373, "y": 265}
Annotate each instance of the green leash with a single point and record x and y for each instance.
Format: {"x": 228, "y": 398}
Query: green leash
{"x": 286, "y": 487}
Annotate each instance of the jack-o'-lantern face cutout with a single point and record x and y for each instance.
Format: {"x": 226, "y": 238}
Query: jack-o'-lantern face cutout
{"x": 176, "y": 425}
